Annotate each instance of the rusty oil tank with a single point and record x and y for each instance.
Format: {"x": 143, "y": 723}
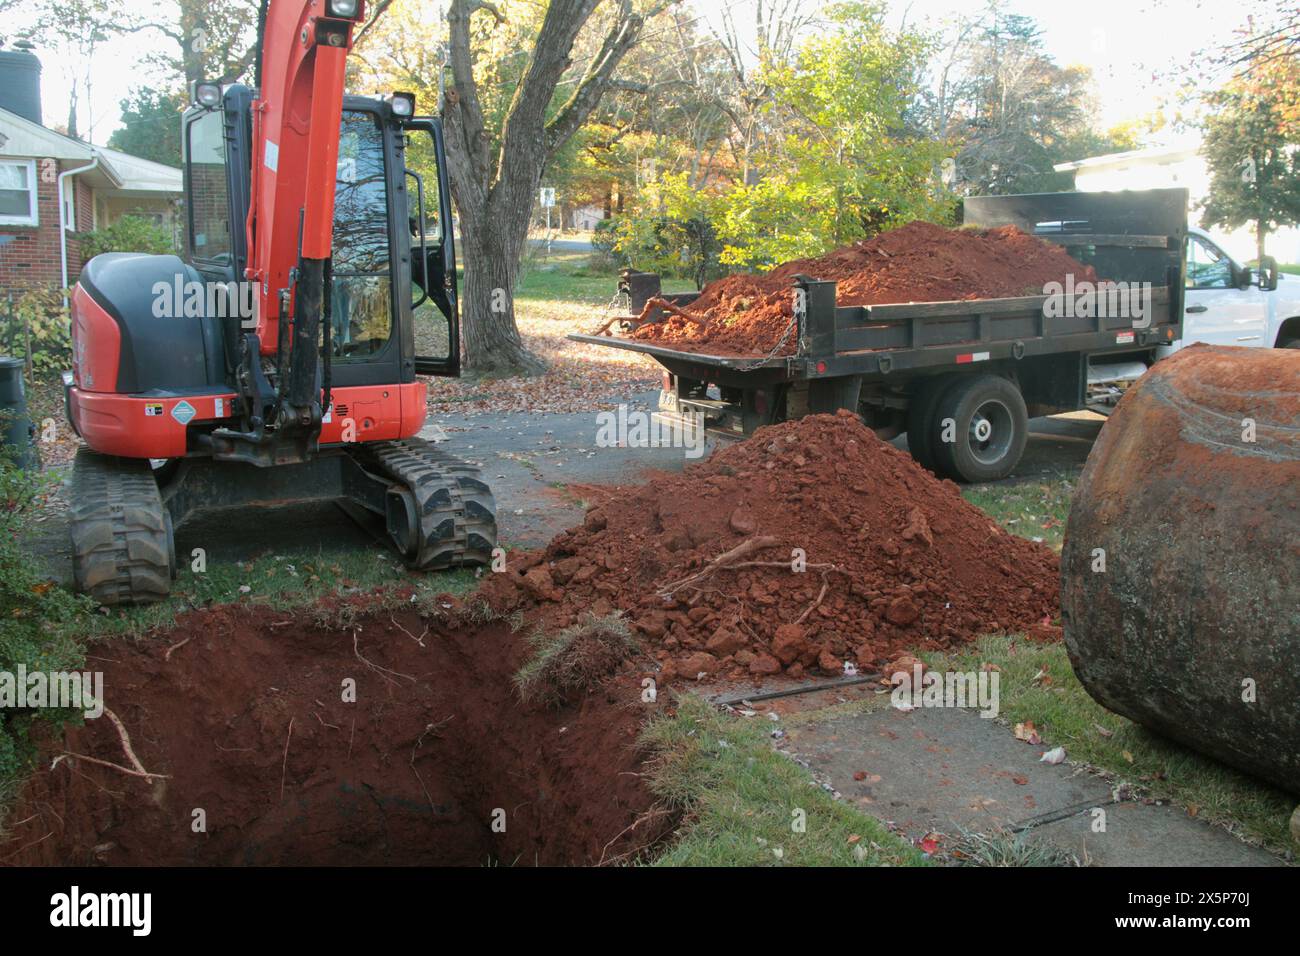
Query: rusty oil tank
{"x": 1191, "y": 498}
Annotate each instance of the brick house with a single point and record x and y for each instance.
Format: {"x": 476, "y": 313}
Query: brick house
{"x": 39, "y": 166}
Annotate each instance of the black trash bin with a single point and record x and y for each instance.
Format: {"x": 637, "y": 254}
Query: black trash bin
{"x": 15, "y": 425}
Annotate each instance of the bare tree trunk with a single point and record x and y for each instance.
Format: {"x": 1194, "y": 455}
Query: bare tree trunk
{"x": 487, "y": 307}
{"x": 494, "y": 195}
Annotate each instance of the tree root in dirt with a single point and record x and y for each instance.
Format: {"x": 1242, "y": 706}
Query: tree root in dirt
{"x": 657, "y": 302}
{"x": 653, "y": 813}
{"x": 135, "y": 770}
{"x": 381, "y": 671}
{"x": 726, "y": 559}
{"x": 732, "y": 561}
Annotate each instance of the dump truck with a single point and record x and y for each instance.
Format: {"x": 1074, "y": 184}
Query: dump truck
{"x": 961, "y": 378}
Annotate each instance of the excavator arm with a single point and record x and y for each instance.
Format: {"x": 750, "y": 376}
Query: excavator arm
{"x": 303, "y": 48}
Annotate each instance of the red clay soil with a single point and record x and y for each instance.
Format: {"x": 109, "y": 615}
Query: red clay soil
{"x": 920, "y": 262}
{"x": 248, "y": 723}
{"x": 896, "y": 559}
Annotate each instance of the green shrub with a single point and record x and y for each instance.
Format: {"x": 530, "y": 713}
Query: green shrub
{"x": 37, "y": 617}
{"x": 677, "y": 239}
{"x": 605, "y": 256}
{"x": 128, "y": 234}
{"x": 37, "y": 328}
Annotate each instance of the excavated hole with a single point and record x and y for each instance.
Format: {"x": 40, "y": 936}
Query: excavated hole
{"x": 247, "y": 719}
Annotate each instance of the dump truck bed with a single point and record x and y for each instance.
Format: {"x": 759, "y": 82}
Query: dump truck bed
{"x": 906, "y": 337}
{"x": 1133, "y": 238}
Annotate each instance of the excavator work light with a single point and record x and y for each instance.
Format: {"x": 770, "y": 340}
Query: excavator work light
{"x": 403, "y": 104}
{"x": 207, "y": 95}
{"x": 343, "y": 9}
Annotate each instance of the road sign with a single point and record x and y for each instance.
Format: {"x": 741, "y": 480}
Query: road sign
{"x": 548, "y": 196}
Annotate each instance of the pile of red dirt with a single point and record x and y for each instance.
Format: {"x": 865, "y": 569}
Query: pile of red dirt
{"x": 247, "y": 717}
{"x": 920, "y": 262}
{"x": 702, "y": 563}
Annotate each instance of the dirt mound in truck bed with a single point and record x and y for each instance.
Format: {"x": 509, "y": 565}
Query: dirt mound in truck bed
{"x": 702, "y": 562}
{"x": 244, "y": 712}
{"x": 920, "y": 262}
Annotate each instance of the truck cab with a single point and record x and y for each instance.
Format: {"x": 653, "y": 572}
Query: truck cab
{"x": 1227, "y": 303}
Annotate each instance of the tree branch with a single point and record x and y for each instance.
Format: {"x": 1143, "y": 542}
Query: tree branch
{"x": 467, "y": 161}
{"x": 622, "y": 35}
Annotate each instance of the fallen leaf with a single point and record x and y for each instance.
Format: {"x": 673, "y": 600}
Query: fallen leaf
{"x": 1026, "y": 732}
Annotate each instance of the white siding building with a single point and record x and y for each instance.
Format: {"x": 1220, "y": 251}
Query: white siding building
{"x": 1164, "y": 167}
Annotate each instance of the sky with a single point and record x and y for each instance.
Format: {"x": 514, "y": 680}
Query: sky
{"x": 1128, "y": 43}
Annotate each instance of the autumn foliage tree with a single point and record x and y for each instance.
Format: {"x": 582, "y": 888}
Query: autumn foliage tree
{"x": 1250, "y": 147}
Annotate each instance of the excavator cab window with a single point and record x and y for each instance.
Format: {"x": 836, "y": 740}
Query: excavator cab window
{"x": 361, "y": 294}
{"x": 209, "y": 209}
{"x": 433, "y": 285}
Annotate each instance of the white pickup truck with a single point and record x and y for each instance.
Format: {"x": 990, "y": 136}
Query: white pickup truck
{"x": 1227, "y": 303}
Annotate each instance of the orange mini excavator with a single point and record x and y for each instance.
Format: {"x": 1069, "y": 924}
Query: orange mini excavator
{"x": 279, "y": 361}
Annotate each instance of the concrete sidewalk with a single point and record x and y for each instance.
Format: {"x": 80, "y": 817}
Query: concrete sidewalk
{"x": 949, "y": 772}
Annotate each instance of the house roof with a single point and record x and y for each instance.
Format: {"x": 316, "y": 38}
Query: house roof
{"x": 118, "y": 171}
{"x": 143, "y": 175}
{"x": 1154, "y": 154}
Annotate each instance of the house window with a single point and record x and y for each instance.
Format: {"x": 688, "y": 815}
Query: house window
{"x": 18, "y": 192}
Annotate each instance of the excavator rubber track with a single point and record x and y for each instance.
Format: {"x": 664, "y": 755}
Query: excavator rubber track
{"x": 122, "y": 545}
{"x": 457, "y": 522}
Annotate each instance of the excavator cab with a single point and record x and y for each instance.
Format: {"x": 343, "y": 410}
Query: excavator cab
{"x": 191, "y": 393}
{"x": 392, "y": 300}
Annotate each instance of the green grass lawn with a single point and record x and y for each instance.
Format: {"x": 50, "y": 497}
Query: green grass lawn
{"x": 1036, "y": 510}
{"x": 744, "y": 804}
{"x": 286, "y": 580}
{"x": 569, "y": 278}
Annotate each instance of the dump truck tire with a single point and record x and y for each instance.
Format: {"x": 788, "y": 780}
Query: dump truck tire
{"x": 922, "y": 424}
{"x": 990, "y": 428}
{"x": 1180, "y": 578}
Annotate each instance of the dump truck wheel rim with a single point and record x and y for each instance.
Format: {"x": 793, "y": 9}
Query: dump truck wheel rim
{"x": 990, "y": 432}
